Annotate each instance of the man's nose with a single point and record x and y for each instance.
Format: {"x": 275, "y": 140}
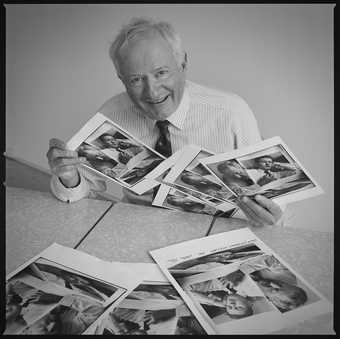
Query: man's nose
{"x": 151, "y": 87}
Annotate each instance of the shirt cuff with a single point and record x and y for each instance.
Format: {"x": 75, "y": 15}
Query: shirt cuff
{"x": 69, "y": 194}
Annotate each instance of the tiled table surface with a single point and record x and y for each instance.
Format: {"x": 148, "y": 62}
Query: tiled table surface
{"x": 125, "y": 232}
{"x": 309, "y": 253}
{"x": 128, "y": 232}
{"x": 34, "y": 220}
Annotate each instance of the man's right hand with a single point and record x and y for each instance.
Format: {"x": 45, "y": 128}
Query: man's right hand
{"x": 64, "y": 163}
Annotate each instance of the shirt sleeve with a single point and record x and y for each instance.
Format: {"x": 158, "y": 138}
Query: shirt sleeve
{"x": 89, "y": 185}
{"x": 244, "y": 124}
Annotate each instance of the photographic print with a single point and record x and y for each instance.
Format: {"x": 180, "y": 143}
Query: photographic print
{"x": 279, "y": 284}
{"x": 217, "y": 259}
{"x": 147, "y": 317}
{"x": 63, "y": 291}
{"x": 226, "y": 296}
{"x": 234, "y": 284}
{"x": 153, "y": 307}
{"x": 267, "y": 168}
{"x": 73, "y": 315}
{"x": 112, "y": 151}
{"x": 174, "y": 199}
{"x": 188, "y": 173}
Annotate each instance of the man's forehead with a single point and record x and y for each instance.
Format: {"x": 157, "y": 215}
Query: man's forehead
{"x": 145, "y": 48}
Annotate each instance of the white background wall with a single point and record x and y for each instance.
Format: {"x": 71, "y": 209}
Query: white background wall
{"x": 279, "y": 58}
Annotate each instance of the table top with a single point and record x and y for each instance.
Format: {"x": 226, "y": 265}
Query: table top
{"x": 34, "y": 220}
{"x": 128, "y": 232}
{"x": 125, "y": 232}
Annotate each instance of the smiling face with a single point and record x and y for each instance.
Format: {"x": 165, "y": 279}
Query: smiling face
{"x": 109, "y": 141}
{"x": 152, "y": 78}
{"x": 237, "y": 305}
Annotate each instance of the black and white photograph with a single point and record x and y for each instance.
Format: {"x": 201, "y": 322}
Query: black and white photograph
{"x": 25, "y": 304}
{"x": 214, "y": 260}
{"x": 63, "y": 291}
{"x": 78, "y": 283}
{"x": 150, "y": 318}
{"x": 143, "y": 133}
{"x": 113, "y": 152}
{"x": 151, "y": 308}
{"x": 227, "y": 297}
{"x": 175, "y": 199}
{"x": 154, "y": 290}
{"x": 279, "y": 284}
{"x": 267, "y": 169}
{"x": 72, "y": 316}
{"x": 234, "y": 283}
{"x": 188, "y": 173}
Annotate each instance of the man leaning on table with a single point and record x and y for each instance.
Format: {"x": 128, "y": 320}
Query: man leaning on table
{"x": 151, "y": 63}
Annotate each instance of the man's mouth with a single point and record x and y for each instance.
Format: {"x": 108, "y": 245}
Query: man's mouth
{"x": 157, "y": 101}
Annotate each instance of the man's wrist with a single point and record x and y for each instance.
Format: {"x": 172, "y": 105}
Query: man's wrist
{"x": 71, "y": 182}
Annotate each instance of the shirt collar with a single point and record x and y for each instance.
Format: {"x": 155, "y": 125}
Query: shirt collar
{"x": 178, "y": 117}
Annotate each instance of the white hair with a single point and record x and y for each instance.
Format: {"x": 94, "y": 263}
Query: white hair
{"x": 141, "y": 25}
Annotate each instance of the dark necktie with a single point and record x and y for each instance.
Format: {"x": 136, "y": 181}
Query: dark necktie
{"x": 163, "y": 144}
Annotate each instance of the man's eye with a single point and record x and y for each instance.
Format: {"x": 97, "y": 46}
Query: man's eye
{"x": 135, "y": 81}
{"x": 162, "y": 73}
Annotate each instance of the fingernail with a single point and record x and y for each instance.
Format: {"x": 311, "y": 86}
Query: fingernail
{"x": 82, "y": 159}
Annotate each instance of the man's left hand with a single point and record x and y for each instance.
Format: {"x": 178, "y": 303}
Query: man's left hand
{"x": 262, "y": 211}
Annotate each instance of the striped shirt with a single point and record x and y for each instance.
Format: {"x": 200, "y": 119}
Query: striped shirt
{"x": 214, "y": 120}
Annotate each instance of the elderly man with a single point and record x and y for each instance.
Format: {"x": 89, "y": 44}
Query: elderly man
{"x": 165, "y": 111}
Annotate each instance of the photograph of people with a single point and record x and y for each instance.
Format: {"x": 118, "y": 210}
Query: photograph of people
{"x": 203, "y": 184}
{"x": 125, "y": 148}
{"x": 152, "y": 64}
{"x": 181, "y": 201}
{"x": 24, "y": 304}
{"x": 266, "y": 168}
{"x": 268, "y": 267}
{"x": 87, "y": 286}
{"x": 132, "y": 321}
{"x": 284, "y": 296}
{"x": 235, "y": 177}
{"x": 73, "y": 315}
{"x": 228, "y": 297}
{"x": 99, "y": 160}
{"x": 154, "y": 291}
{"x": 217, "y": 259}
{"x": 141, "y": 169}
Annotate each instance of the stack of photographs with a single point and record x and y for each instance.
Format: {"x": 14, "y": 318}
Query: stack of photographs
{"x": 234, "y": 284}
{"x": 188, "y": 186}
{"x": 193, "y": 179}
{"x": 63, "y": 291}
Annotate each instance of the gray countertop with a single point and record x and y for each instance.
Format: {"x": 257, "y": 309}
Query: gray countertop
{"x": 34, "y": 220}
{"x": 128, "y": 232}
